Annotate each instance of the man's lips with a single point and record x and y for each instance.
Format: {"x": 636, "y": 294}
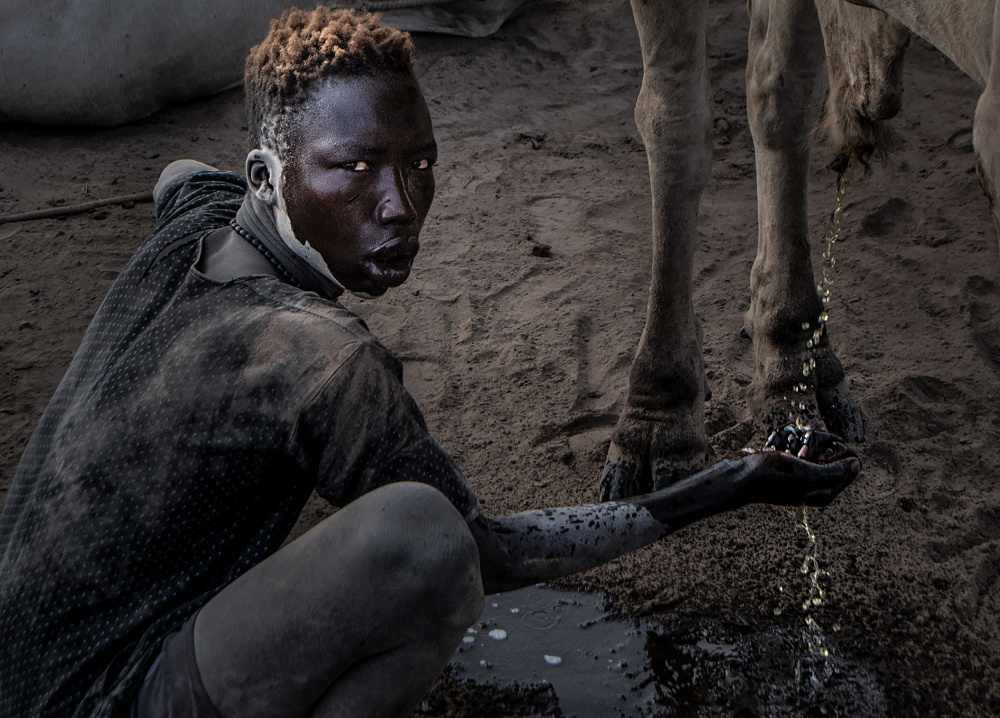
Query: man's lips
{"x": 396, "y": 254}
{"x": 398, "y": 250}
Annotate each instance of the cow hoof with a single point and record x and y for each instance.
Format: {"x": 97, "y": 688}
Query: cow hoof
{"x": 840, "y": 413}
{"x": 622, "y": 479}
{"x": 650, "y": 463}
{"x": 830, "y": 408}
{"x": 806, "y": 386}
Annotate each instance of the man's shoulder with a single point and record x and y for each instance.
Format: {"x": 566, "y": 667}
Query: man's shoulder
{"x": 191, "y": 192}
{"x": 311, "y": 314}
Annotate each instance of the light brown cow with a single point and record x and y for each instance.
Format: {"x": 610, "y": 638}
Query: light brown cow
{"x": 660, "y": 435}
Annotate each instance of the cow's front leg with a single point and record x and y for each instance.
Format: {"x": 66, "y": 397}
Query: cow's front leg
{"x": 785, "y": 58}
{"x": 660, "y": 436}
{"x": 984, "y": 128}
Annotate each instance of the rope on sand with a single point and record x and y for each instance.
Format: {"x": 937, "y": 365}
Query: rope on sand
{"x": 76, "y": 208}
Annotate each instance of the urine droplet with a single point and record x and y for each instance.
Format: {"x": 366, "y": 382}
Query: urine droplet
{"x": 777, "y": 611}
{"x": 805, "y": 325}
{"x": 515, "y": 610}
{"x": 805, "y": 369}
{"x": 817, "y": 601}
{"x": 824, "y": 317}
{"x": 552, "y": 660}
{"x": 469, "y": 639}
{"x": 498, "y": 634}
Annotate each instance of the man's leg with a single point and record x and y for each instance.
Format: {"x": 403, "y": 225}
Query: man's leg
{"x": 355, "y": 618}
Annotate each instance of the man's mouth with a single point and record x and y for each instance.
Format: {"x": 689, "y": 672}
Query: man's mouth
{"x": 394, "y": 258}
{"x": 398, "y": 251}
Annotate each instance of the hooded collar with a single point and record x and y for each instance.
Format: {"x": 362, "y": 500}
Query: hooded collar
{"x": 259, "y": 224}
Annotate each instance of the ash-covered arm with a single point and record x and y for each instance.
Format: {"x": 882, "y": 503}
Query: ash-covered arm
{"x": 534, "y": 546}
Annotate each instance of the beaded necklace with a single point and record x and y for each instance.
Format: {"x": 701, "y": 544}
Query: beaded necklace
{"x": 259, "y": 246}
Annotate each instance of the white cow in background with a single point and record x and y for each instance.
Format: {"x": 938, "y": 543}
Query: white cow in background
{"x": 108, "y": 62}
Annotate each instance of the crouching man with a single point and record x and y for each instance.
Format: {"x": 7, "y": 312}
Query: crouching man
{"x": 220, "y": 382}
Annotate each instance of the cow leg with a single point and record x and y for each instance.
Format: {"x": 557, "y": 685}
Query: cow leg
{"x": 785, "y": 59}
{"x": 660, "y": 436}
{"x": 984, "y": 128}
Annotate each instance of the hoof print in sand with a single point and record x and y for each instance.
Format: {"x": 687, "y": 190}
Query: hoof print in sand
{"x": 921, "y": 407}
{"x": 892, "y": 217}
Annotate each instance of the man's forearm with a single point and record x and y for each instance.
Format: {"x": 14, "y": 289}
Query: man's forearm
{"x": 535, "y": 546}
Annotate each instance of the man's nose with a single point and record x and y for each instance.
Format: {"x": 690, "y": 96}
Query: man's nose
{"x": 395, "y": 205}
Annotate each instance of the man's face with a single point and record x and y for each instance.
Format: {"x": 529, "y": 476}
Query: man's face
{"x": 359, "y": 180}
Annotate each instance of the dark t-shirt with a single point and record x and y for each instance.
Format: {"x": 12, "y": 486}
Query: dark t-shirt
{"x": 178, "y": 451}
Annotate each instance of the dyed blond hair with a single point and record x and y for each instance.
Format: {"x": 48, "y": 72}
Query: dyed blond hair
{"x": 304, "y": 48}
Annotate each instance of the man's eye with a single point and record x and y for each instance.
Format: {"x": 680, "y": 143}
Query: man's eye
{"x": 424, "y": 164}
{"x": 359, "y": 166}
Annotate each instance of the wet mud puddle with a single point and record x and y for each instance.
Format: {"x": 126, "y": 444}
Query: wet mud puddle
{"x": 601, "y": 666}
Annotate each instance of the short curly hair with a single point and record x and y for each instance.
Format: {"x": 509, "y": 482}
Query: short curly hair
{"x": 304, "y": 48}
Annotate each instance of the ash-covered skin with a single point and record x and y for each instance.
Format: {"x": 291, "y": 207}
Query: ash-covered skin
{"x": 284, "y": 225}
{"x": 534, "y": 546}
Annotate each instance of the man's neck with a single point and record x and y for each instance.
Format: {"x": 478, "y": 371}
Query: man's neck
{"x": 254, "y": 246}
{"x": 258, "y": 218}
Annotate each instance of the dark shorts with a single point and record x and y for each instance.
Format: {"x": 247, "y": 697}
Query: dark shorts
{"x": 173, "y": 687}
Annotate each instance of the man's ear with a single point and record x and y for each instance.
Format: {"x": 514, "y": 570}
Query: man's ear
{"x": 264, "y": 175}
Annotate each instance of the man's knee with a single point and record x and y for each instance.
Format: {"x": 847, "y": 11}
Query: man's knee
{"x": 421, "y": 546}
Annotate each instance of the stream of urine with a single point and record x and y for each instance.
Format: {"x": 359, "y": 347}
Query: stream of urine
{"x": 810, "y": 567}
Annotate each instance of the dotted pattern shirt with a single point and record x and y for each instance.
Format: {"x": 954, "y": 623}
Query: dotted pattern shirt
{"x": 177, "y": 452}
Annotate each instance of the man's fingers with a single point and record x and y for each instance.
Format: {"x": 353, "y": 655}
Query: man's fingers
{"x": 789, "y": 481}
{"x": 832, "y": 478}
{"x": 834, "y": 452}
{"x": 848, "y": 467}
{"x": 845, "y": 475}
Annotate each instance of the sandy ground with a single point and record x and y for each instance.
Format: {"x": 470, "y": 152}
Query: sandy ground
{"x": 520, "y": 361}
